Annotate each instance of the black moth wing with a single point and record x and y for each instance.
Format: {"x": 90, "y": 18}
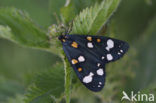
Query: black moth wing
{"x": 88, "y": 56}
{"x": 107, "y": 49}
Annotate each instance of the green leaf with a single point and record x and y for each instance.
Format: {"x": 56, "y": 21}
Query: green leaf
{"x": 48, "y": 86}
{"x": 36, "y": 95}
{"x": 91, "y": 20}
{"x": 17, "y": 99}
{"x": 18, "y": 27}
{"x": 73, "y": 8}
{"x": 8, "y": 88}
{"x": 5, "y": 32}
{"x": 39, "y": 10}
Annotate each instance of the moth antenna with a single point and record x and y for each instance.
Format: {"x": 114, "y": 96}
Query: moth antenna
{"x": 70, "y": 27}
{"x": 57, "y": 18}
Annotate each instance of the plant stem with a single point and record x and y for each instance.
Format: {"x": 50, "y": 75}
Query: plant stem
{"x": 68, "y": 79}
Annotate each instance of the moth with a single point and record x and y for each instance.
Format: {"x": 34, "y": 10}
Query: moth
{"x": 89, "y": 54}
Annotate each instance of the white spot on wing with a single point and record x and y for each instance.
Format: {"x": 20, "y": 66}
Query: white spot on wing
{"x": 100, "y": 83}
{"x": 121, "y": 51}
{"x": 81, "y": 59}
{"x": 102, "y": 57}
{"x": 100, "y": 71}
{"x": 109, "y": 57}
{"x": 98, "y": 64}
{"x": 99, "y": 86}
{"x": 90, "y": 45}
{"x": 110, "y": 44}
{"x": 88, "y": 78}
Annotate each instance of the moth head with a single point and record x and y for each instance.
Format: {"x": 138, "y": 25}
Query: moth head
{"x": 62, "y": 38}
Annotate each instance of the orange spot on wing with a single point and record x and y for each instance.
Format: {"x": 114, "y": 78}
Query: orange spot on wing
{"x": 74, "y": 44}
{"x": 98, "y": 40}
{"x": 74, "y": 61}
{"x": 89, "y": 38}
{"x": 79, "y": 69}
{"x": 63, "y": 40}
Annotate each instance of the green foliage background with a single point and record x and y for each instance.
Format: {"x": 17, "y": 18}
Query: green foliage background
{"x": 31, "y": 69}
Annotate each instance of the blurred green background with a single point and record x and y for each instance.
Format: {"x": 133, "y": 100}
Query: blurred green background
{"x": 134, "y": 21}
